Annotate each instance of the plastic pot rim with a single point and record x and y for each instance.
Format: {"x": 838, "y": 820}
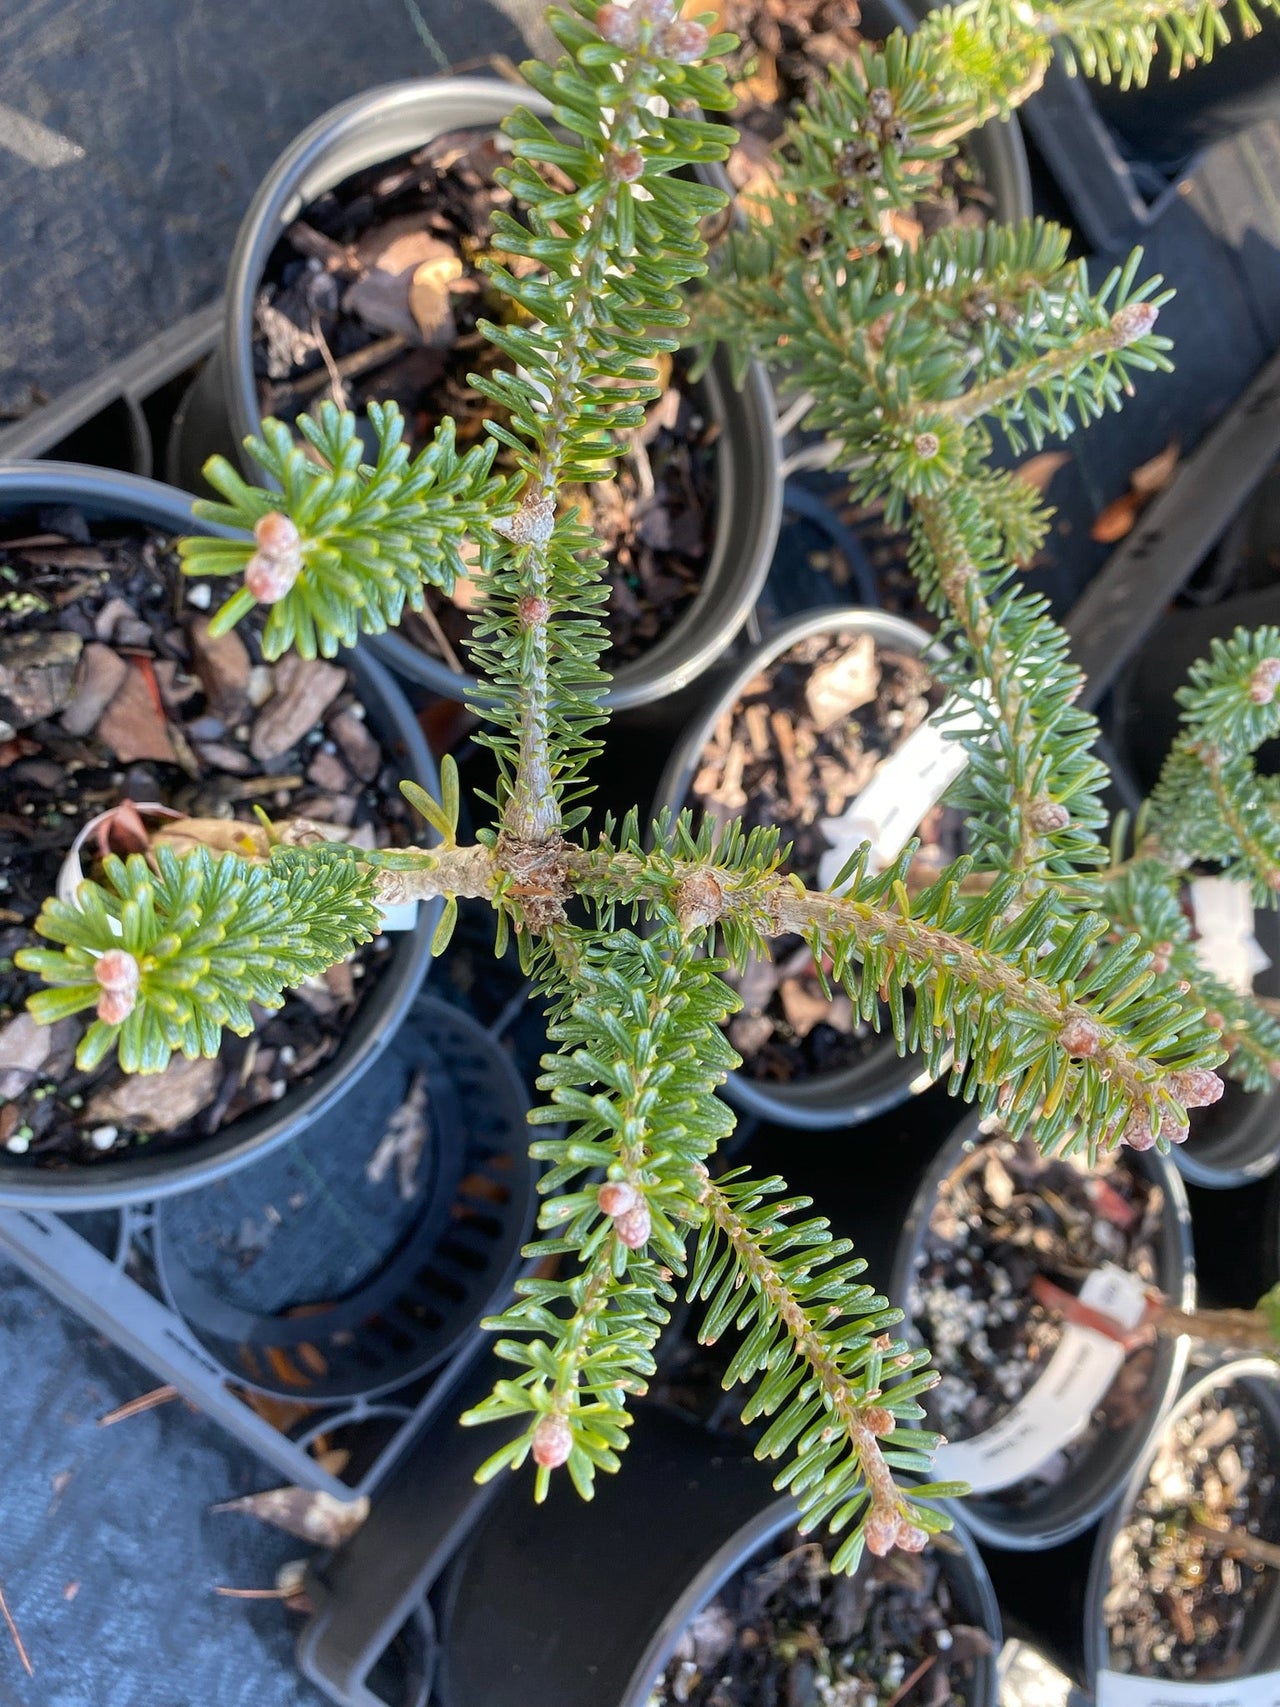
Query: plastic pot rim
{"x": 1023, "y": 1534}
{"x": 825, "y": 1100}
{"x": 144, "y": 1175}
{"x": 749, "y": 486}
{"x": 1229, "y": 1372}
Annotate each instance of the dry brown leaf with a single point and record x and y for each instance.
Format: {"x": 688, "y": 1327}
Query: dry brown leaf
{"x": 309, "y": 1513}
{"x": 1153, "y": 476}
{"x": 1116, "y": 520}
{"x": 1038, "y": 471}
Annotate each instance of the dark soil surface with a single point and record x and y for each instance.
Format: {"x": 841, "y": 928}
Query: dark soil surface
{"x": 1180, "y": 1605}
{"x": 775, "y": 759}
{"x": 129, "y": 700}
{"x": 374, "y": 295}
{"x": 1002, "y": 1219}
{"x": 785, "y": 1632}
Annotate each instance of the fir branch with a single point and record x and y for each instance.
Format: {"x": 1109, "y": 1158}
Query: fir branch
{"x": 342, "y": 546}
{"x": 612, "y": 254}
{"x": 844, "y": 1394}
{"x": 167, "y": 958}
{"x": 641, "y": 1055}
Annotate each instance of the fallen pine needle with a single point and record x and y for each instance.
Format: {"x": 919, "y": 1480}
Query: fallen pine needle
{"x": 17, "y": 1639}
{"x": 253, "y": 1593}
{"x": 911, "y": 1682}
{"x": 135, "y": 1407}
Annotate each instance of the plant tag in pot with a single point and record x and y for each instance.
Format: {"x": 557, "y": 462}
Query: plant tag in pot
{"x": 1123, "y": 1689}
{"x": 888, "y": 811}
{"x": 399, "y": 916}
{"x": 1225, "y": 943}
{"x": 1059, "y": 1406}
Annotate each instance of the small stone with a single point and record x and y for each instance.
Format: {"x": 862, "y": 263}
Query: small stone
{"x": 260, "y": 686}
{"x": 327, "y": 771}
{"x": 200, "y": 596}
{"x": 19, "y": 1144}
{"x": 100, "y": 677}
{"x": 132, "y": 725}
{"x": 103, "y": 1137}
{"x": 37, "y": 675}
{"x": 304, "y": 690}
{"x": 222, "y": 665}
{"x": 224, "y": 758}
{"x": 358, "y": 746}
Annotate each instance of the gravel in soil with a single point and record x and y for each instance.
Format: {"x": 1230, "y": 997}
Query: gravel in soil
{"x": 375, "y": 294}
{"x": 800, "y": 743}
{"x": 1002, "y": 1218}
{"x": 1178, "y": 1605}
{"x": 785, "y": 1632}
{"x": 112, "y": 691}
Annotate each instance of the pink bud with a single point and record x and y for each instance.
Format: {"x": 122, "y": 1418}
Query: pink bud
{"x": 1197, "y": 1087}
{"x": 616, "y": 25}
{"x": 633, "y": 1226}
{"x": 657, "y": 12}
{"x": 1133, "y": 322}
{"x": 276, "y": 535}
{"x": 119, "y": 975}
{"x": 616, "y": 1197}
{"x": 879, "y": 1421}
{"x": 626, "y": 165}
{"x": 1046, "y": 816}
{"x": 927, "y": 446}
{"x": 1264, "y": 681}
{"x": 1138, "y": 1134}
{"x": 684, "y": 41}
{"x": 1080, "y": 1036}
{"x": 881, "y": 1531}
{"x": 552, "y": 1441}
{"x": 270, "y": 578}
{"x": 913, "y": 1540}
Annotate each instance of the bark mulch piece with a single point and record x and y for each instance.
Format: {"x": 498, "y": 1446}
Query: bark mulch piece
{"x": 374, "y": 295}
{"x": 112, "y": 691}
{"x": 1002, "y": 1217}
{"x": 801, "y": 743}
{"x": 1180, "y": 1605}
{"x": 785, "y": 1632}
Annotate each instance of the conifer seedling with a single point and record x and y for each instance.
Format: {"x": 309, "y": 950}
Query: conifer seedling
{"x": 1053, "y": 982}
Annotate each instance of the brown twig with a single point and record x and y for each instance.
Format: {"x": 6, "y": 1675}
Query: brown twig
{"x": 1239, "y": 1544}
{"x": 135, "y": 1407}
{"x": 910, "y": 1682}
{"x": 17, "y": 1639}
{"x": 347, "y": 367}
{"x": 253, "y": 1593}
{"x": 441, "y": 639}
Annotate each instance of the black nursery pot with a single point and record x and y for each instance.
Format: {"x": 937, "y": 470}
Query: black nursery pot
{"x": 1258, "y": 1380}
{"x": 575, "y": 1605}
{"x": 1059, "y": 1513}
{"x": 359, "y": 1288}
{"x": 102, "y": 494}
{"x": 883, "y": 1078}
{"x": 1237, "y": 1140}
{"x": 222, "y": 408}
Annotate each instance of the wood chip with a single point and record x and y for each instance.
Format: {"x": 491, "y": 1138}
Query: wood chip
{"x": 309, "y": 1513}
{"x": 37, "y": 676}
{"x": 841, "y": 686}
{"x": 156, "y": 1102}
{"x": 100, "y": 677}
{"x": 305, "y": 688}
{"x": 133, "y": 726}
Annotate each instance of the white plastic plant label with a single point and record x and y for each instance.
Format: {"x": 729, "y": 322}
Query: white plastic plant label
{"x": 1225, "y": 945}
{"x": 888, "y": 811}
{"x": 1122, "y": 1689}
{"x": 398, "y": 915}
{"x": 1060, "y": 1404}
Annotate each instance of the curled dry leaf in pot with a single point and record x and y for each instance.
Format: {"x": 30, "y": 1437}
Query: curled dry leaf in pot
{"x": 382, "y": 283}
{"x": 785, "y": 1629}
{"x": 1010, "y": 1241}
{"x": 1193, "y": 1564}
{"x": 201, "y": 724}
{"x": 797, "y": 747}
